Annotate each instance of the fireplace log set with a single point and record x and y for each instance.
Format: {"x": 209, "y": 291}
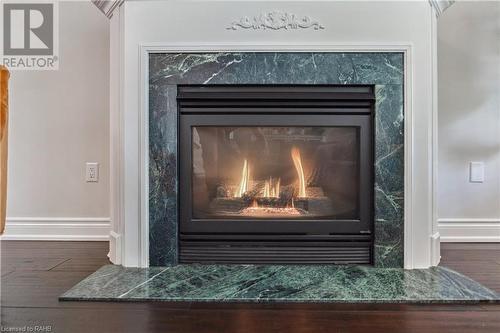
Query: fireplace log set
{"x": 315, "y": 203}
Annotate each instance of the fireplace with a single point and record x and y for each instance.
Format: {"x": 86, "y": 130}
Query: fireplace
{"x": 276, "y": 173}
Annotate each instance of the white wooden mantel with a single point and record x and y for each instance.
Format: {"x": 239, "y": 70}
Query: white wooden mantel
{"x": 407, "y": 27}
{"x": 107, "y": 7}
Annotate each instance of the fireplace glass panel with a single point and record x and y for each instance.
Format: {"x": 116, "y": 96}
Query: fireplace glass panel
{"x": 275, "y": 172}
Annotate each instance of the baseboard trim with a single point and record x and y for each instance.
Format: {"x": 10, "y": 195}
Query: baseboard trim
{"x": 469, "y": 230}
{"x": 57, "y": 228}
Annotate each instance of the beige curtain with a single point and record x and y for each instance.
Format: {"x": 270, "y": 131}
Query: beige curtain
{"x": 4, "y": 122}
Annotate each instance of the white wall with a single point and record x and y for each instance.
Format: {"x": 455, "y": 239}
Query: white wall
{"x": 200, "y": 25}
{"x": 469, "y": 120}
{"x": 58, "y": 122}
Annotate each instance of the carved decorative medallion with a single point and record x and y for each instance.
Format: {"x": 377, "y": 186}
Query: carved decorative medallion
{"x": 275, "y": 20}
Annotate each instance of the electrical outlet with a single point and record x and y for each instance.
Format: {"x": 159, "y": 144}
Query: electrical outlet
{"x": 92, "y": 172}
{"x": 476, "y": 172}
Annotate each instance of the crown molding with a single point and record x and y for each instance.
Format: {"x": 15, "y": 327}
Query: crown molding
{"x": 107, "y": 6}
{"x": 441, "y": 5}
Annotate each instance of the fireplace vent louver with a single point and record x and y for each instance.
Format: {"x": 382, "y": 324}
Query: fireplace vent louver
{"x": 234, "y": 253}
{"x": 255, "y": 99}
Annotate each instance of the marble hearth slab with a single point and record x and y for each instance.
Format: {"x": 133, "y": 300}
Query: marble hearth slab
{"x": 278, "y": 283}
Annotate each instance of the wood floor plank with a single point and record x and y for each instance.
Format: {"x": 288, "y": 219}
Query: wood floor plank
{"x": 32, "y": 264}
{"x": 81, "y": 264}
{"x": 30, "y": 245}
{"x": 470, "y": 255}
{"x": 37, "y": 288}
{"x": 56, "y": 253}
{"x": 5, "y": 271}
{"x": 34, "y": 274}
{"x": 470, "y": 246}
{"x": 477, "y": 261}
{"x": 155, "y": 319}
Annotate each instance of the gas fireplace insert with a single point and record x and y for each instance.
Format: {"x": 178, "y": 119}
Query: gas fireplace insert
{"x": 276, "y": 174}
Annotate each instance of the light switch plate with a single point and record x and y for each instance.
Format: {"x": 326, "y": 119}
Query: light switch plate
{"x": 476, "y": 172}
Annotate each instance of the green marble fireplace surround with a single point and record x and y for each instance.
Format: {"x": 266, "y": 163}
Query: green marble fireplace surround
{"x": 384, "y": 70}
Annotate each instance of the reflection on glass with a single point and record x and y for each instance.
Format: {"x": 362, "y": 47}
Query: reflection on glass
{"x": 275, "y": 172}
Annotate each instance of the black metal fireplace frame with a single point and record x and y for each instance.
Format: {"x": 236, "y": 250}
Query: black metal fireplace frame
{"x": 268, "y": 240}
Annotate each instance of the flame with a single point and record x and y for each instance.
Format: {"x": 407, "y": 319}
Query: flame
{"x": 267, "y": 192}
{"x": 300, "y": 171}
{"x": 271, "y": 188}
{"x": 245, "y": 179}
{"x": 275, "y": 193}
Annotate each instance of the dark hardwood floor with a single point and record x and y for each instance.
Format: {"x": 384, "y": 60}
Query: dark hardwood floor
{"x": 34, "y": 274}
